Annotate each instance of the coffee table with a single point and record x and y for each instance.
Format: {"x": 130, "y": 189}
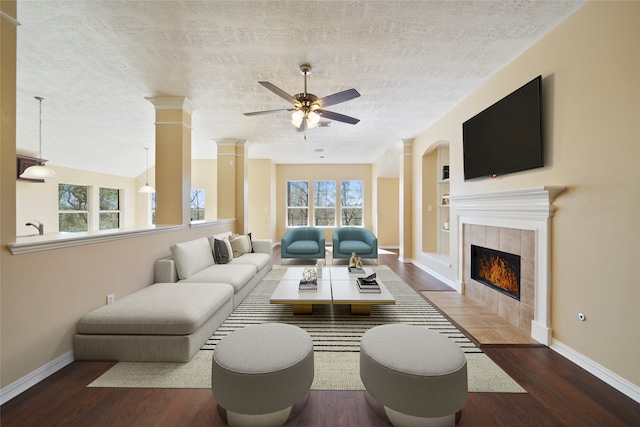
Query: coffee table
{"x": 336, "y": 286}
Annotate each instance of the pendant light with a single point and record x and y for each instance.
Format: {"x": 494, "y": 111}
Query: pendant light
{"x": 39, "y": 171}
{"x": 146, "y": 188}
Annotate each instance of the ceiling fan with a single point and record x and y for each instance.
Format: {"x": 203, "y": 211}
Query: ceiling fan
{"x": 308, "y": 107}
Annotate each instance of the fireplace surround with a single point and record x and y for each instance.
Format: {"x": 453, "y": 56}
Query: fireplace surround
{"x": 518, "y": 222}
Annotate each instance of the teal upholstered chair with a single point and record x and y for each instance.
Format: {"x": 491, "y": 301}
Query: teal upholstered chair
{"x": 302, "y": 242}
{"x": 347, "y": 240}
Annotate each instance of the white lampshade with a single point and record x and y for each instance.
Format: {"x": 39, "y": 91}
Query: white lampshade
{"x": 312, "y": 119}
{"x": 297, "y": 117}
{"x": 38, "y": 172}
{"x": 146, "y": 189}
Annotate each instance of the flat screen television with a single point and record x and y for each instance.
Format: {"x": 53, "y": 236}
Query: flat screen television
{"x": 507, "y": 136}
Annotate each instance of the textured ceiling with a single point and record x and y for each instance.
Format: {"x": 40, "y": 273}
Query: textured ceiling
{"x": 94, "y": 62}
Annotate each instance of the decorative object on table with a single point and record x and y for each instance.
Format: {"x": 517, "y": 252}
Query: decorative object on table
{"x": 309, "y": 281}
{"x": 352, "y": 260}
{"x": 359, "y": 263}
{"x": 319, "y": 268}
{"x": 368, "y": 284}
{"x": 445, "y": 172}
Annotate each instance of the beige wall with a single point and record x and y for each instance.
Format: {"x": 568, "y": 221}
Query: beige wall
{"x": 590, "y": 66}
{"x": 388, "y": 195}
{"x": 320, "y": 172}
{"x": 429, "y": 199}
{"x": 39, "y": 201}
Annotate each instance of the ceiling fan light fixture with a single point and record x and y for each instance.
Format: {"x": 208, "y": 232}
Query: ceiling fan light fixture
{"x": 312, "y": 119}
{"x": 297, "y": 117}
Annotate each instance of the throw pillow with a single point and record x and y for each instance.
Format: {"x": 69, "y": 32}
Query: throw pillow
{"x": 240, "y": 245}
{"x": 250, "y": 242}
{"x": 221, "y": 253}
{"x": 191, "y": 257}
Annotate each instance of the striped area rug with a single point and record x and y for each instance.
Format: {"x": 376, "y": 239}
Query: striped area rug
{"x": 332, "y": 327}
{"x": 336, "y": 336}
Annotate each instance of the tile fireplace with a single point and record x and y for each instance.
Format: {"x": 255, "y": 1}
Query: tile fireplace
{"x": 516, "y": 222}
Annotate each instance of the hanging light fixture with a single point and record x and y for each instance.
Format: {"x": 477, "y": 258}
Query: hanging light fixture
{"x": 39, "y": 171}
{"x": 146, "y": 188}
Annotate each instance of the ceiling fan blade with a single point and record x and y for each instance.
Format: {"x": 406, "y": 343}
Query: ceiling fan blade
{"x": 337, "y": 98}
{"x": 280, "y": 93}
{"x": 257, "y": 113}
{"x": 337, "y": 116}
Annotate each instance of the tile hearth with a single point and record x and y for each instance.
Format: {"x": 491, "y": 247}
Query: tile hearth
{"x": 483, "y": 325}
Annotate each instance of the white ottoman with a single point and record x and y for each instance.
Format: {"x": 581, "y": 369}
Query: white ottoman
{"x": 418, "y": 375}
{"x": 260, "y": 372}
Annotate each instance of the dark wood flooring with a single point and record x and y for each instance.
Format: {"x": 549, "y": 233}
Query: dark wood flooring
{"x": 559, "y": 394}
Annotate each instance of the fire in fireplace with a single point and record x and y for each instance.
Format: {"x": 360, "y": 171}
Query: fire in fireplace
{"x": 496, "y": 269}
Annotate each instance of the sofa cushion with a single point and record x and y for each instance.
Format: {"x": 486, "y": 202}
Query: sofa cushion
{"x": 191, "y": 256}
{"x": 258, "y": 260}
{"x": 235, "y": 274}
{"x": 301, "y": 247}
{"x": 159, "y": 309}
{"x": 348, "y": 246}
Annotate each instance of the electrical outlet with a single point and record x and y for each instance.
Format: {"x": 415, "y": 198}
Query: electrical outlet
{"x": 111, "y": 298}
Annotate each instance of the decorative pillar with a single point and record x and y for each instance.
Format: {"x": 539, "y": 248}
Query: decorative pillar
{"x": 406, "y": 201}
{"x": 8, "y": 43}
{"x": 173, "y": 159}
{"x": 233, "y": 182}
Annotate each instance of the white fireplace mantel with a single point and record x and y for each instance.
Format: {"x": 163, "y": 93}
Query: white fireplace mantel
{"x": 524, "y": 209}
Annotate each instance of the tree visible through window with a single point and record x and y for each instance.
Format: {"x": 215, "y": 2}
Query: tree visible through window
{"x": 297, "y": 203}
{"x": 73, "y": 207}
{"x": 324, "y": 203}
{"x": 351, "y": 203}
{"x": 109, "y": 208}
{"x": 197, "y": 205}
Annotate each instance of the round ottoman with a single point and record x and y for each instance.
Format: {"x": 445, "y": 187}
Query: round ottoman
{"x": 259, "y": 372}
{"x": 418, "y": 375}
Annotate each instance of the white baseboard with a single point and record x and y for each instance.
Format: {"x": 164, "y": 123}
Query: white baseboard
{"x": 614, "y": 380}
{"x": 29, "y": 380}
{"x": 437, "y": 275}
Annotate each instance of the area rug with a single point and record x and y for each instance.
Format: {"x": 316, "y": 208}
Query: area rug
{"x": 336, "y": 336}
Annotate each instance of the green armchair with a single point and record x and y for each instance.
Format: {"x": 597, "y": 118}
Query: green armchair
{"x": 347, "y": 240}
{"x": 302, "y": 242}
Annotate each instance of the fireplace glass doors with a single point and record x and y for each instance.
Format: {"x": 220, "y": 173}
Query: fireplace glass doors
{"x": 496, "y": 269}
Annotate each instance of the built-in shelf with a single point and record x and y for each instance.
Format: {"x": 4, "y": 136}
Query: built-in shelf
{"x": 443, "y": 200}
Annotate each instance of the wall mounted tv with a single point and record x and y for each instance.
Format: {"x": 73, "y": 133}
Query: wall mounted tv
{"x": 507, "y": 136}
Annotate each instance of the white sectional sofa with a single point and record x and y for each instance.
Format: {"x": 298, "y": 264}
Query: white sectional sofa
{"x": 191, "y": 263}
{"x": 171, "y": 319}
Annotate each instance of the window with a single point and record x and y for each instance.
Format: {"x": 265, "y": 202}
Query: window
{"x": 324, "y": 203}
{"x": 197, "y": 205}
{"x": 297, "y": 203}
{"x": 109, "y": 208}
{"x": 73, "y": 209}
{"x": 351, "y": 201}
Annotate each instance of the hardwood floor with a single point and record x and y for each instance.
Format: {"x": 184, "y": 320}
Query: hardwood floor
{"x": 559, "y": 394}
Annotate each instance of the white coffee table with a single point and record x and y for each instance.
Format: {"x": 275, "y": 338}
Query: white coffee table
{"x": 345, "y": 291}
{"x": 287, "y": 292}
{"x": 336, "y": 286}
